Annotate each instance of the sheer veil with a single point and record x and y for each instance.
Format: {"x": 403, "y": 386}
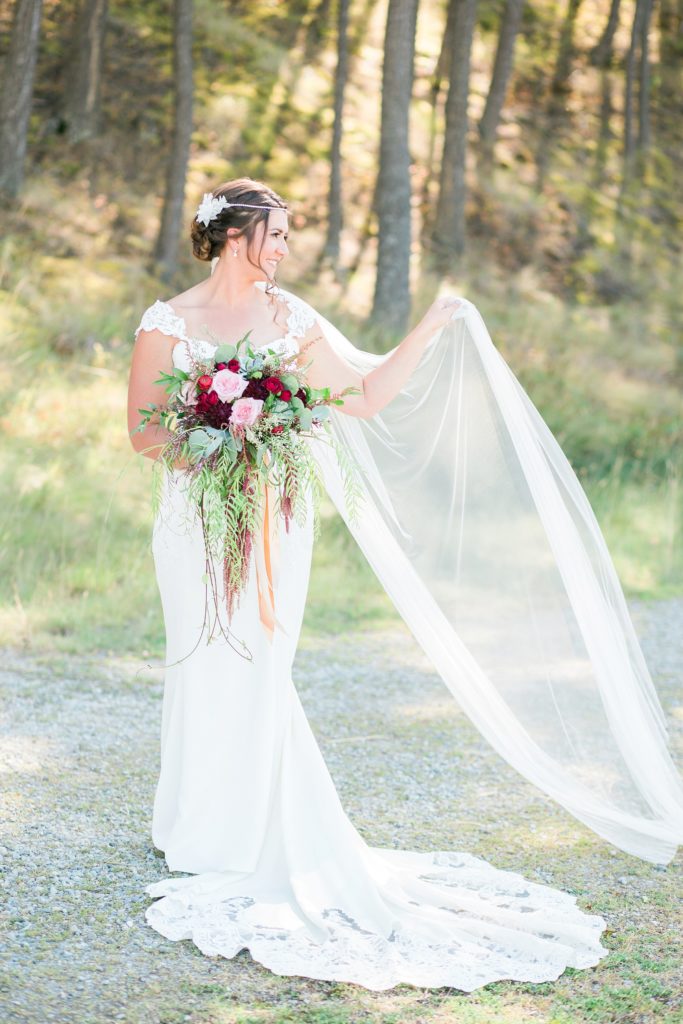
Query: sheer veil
{"x": 481, "y": 534}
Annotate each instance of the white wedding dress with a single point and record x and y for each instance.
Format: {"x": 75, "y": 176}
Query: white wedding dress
{"x": 246, "y": 805}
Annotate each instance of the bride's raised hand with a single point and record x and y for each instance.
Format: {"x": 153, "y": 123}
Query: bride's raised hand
{"x": 381, "y": 384}
{"x": 439, "y": 313}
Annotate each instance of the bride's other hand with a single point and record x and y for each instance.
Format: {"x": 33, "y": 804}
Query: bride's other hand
{"x": 378, "y": 387}
{"x": 439, "y": 313}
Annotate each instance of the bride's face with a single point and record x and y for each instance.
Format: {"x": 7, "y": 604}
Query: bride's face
{"x": 270, "y": 241}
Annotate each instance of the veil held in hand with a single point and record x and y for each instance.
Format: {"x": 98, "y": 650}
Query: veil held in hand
{"x": 481, "y": 534}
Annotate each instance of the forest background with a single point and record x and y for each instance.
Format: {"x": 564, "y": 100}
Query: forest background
{"x": 524, "y": 153}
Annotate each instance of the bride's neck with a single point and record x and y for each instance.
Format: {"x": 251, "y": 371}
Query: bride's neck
{"x": 230, "y": 285}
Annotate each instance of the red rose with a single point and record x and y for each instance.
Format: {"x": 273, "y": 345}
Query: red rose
{"x": 285, "y": 395}
{"x": 212, "y": 398}
{"x": 223, "y": 366}
{"x": 205, "y": 382}
{"x": 278, "y": 430}
{"x": 233, "y": 365}
{"x": 273, "y": 384}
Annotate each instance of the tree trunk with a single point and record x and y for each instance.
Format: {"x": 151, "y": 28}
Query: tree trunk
{"x": 634, "y": 73}
{"x": 669, "y": 97}
{"x": 449, "y": 232}
{"x": 601, "y": 54}
{"x": 605, "y": 130}
{"x": 82, "y": 99}
{"x": 166, "y": 251}
{"x": 391, "y": 305}
{"x": 502, "y": 69}
{"x": 565, "y": 51}
{"x": 442, "y": 71}
{"x": 335, "y": 217}
{"x": 17, "y": 94}
{"x": 644, "y": 82}
{"x": 671, "y": 45}
{"x": 555, "y": 113}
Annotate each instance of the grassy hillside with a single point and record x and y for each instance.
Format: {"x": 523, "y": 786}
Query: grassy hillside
{"x": 591, "y": 325}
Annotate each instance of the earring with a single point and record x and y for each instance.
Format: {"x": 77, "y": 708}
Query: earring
{"x": 235, "y": 251}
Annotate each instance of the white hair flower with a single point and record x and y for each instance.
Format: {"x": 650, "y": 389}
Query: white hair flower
{"x": 210, "y": 207}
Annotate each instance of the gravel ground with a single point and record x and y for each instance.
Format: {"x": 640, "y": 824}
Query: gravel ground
{"x": 79, "y": 742}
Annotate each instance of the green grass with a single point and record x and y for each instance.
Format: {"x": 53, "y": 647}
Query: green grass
{"x": 75, "y": 525}
{"x": 76, "y": 569}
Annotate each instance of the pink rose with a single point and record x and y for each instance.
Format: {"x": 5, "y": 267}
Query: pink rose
{"x": 245, "y": 412}
{"x": 228, "y": 385}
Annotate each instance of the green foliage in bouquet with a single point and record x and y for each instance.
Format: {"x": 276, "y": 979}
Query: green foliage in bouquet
{"x": 239, "y": 423}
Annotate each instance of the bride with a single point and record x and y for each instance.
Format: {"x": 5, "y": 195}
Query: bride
{"x": 481, "y": 534}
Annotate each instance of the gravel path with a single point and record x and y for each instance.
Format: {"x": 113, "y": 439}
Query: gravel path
{"x": 79, "y": 742}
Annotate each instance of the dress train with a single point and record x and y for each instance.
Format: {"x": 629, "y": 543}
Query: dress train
{"x": 246, "y": 804}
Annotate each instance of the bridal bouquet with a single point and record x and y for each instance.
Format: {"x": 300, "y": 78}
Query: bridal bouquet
{"x": 241, "y": 421}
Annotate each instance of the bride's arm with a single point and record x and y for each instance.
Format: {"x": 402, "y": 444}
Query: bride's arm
{"x": 152, "y": 353}
{"x": 379, "y": 386}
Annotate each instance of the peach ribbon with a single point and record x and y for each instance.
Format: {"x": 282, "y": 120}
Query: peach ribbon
{"x": 266, "y": 557}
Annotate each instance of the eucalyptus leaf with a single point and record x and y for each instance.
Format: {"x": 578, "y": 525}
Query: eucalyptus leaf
{"x": 224, "y": 353}
{"x": 306, "y": 419}
{"x": 198, "y": 440}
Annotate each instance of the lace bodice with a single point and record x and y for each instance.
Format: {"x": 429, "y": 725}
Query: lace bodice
{"x": 161, "y": 316}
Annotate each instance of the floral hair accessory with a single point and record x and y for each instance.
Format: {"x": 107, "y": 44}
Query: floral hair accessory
{"x": 211, "y": 206}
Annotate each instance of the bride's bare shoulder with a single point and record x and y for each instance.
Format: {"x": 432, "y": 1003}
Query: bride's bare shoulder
{"x": 185, "y": 300}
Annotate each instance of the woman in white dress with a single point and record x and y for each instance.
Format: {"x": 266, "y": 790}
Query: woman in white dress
{"x": 244, "y": 802}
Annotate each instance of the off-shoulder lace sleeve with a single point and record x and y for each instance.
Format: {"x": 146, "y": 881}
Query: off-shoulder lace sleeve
{"x": 301, "y": 316}
{"x": 161, "y": 317}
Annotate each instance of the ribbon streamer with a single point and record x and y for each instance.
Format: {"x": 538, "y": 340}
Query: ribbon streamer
{"x": 267, "y": 559}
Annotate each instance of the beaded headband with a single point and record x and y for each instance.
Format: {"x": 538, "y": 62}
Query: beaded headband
{"x": 211, "y": 206}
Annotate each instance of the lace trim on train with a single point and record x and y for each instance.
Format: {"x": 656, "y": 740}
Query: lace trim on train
{"x": 503, "y": 927}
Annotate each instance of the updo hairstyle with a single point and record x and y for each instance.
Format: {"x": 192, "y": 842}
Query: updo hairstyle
{"x": 208, "y": 240}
